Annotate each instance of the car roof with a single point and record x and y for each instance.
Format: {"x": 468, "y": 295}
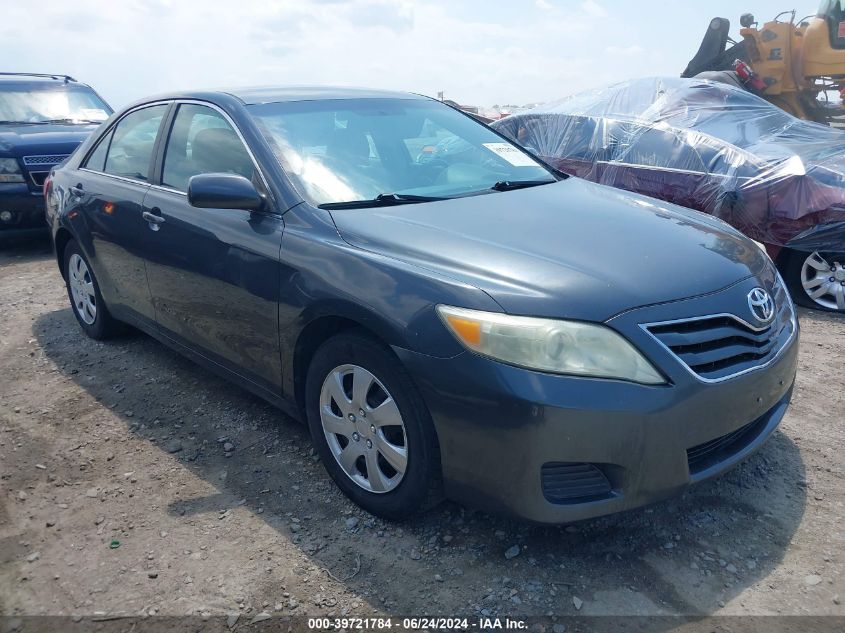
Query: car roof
{"x": 275, "y": 94}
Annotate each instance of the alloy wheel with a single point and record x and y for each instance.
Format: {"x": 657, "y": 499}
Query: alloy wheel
{"x": 364, "y": 428}
{"x": 82, "y": 289}
{"x": 823, "y": 279}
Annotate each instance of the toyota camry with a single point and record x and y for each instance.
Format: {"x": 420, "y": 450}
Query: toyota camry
{"x": 449, "y": 315}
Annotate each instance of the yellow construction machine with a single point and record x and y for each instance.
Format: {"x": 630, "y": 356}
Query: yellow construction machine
{"x": 797, "y": 65}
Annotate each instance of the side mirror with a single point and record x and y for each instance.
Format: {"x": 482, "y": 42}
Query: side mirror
{"x": 223, "y": 191}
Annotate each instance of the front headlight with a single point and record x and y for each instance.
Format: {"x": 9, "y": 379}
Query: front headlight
{"x": 550, "y": 345}
{"x": 781, "y": 288}
{"x": 10, "y": 171}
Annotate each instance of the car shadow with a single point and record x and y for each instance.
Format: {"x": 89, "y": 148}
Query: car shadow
{"x": 690, "y": 555}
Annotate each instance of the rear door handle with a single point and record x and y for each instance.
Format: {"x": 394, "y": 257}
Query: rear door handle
{"x": 77, "y": 190}
{"x": 153, "y": 219}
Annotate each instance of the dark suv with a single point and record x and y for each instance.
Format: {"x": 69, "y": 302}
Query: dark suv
{"x": 43, "y": 119}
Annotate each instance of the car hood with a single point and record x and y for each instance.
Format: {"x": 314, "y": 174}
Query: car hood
{"x": 572, "y": 249}
{"x": 28, "y": 140}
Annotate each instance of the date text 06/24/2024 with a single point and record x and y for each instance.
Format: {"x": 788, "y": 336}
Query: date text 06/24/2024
{"x": 410, "y": 624}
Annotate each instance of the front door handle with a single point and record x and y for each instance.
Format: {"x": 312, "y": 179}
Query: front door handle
{"x": 153, "y": 219}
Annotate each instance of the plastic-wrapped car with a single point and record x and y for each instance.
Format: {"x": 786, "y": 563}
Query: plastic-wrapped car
{"x": 715, "y": 148}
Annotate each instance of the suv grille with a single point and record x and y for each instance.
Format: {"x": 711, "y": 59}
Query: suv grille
{"x": 44, "y": 161}
{"x": 721, "y": 346}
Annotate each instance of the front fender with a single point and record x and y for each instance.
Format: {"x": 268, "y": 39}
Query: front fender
{"x": 322, "y": 276}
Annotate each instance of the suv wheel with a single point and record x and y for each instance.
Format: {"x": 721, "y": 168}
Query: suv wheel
{"x": 84, "y": 293}
{"x": 817, "y": 280}
{"x": 371, "y": 428}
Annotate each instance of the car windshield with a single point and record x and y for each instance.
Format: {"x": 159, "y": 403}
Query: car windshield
{"x": 408, "y": 150}
{"x": 28, "y": 103}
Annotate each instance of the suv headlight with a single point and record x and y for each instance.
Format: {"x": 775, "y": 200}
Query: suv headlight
{"x": 550, "y": 345}
{"x": 10, "y": 171}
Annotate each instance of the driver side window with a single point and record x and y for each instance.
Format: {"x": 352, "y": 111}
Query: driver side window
{"x": 201, "y": 142}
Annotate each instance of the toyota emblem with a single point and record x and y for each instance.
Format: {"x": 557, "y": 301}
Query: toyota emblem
{"x": 762, "y": 305}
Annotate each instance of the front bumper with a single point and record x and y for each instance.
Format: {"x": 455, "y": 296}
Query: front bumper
{"x": 26, "y": 207}
{"x": 498, "y": 425}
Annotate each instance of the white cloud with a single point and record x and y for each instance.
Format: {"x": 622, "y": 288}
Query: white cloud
{"x": 545, "y": 5}
{"x": 135, "y": 48}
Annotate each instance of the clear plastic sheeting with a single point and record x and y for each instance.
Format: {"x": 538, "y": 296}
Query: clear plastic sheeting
{"x": 705, "y": 145}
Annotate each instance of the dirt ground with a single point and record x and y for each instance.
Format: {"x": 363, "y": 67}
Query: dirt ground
{"x": 134, "y": 482}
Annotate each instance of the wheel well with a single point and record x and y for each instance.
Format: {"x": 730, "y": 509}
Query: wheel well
{"x": 315, "y": 334}
{"x": 783, "y": 258}
{"x": 788, "y": 257}
{"x": 62, "y": 239}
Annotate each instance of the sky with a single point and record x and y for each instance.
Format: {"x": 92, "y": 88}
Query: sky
{"x": 477, "y": 52}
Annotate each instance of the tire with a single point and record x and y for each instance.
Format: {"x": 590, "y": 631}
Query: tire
{"x": 798, "y": 271}
{"x": 84, "y": 293}
{"x": 333, "y": 373}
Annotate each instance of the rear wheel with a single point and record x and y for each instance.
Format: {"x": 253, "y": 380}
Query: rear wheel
{"x": 84, "y": 293}
{"x": 371, "y": 428}
{"x": 817, "y": 280}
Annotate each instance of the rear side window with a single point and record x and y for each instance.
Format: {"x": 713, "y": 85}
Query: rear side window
{"x": 97, "y": 159}
{"x": 132, "y": 143}
{"x": 201, "y": 142}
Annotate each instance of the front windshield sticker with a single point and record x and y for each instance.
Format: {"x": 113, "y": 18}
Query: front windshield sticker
{"x": 93, "y": 114}
{"x": 511, "y": 154}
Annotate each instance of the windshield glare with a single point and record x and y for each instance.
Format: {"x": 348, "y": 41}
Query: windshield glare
{"x": 346, "y": 150}
{"x": 28, "y": 104}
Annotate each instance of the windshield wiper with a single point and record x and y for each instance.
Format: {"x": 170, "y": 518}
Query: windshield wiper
{"x": 381, "y": 200}
{"x": 507, "y": 185}
{"x": 69, "y": 120}
{"x": 50, "y": 121}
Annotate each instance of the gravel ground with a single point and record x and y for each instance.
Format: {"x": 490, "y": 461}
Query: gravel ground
{"x": 134, "y": 482}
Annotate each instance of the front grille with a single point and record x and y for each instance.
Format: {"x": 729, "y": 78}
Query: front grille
{"x": 720, "y": 346}
{"x": 568, "y": 482}
{"x": 710, "y": 453}
{"x": 45, "y": 160}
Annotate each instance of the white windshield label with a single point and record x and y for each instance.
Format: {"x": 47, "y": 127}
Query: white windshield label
{"x": 511, "y": 154}
{"x": 93, "y": 114}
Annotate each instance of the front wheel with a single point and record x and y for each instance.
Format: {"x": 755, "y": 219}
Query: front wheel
{"x": 817, "y": 280}
{"x": 371, "y": 428}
